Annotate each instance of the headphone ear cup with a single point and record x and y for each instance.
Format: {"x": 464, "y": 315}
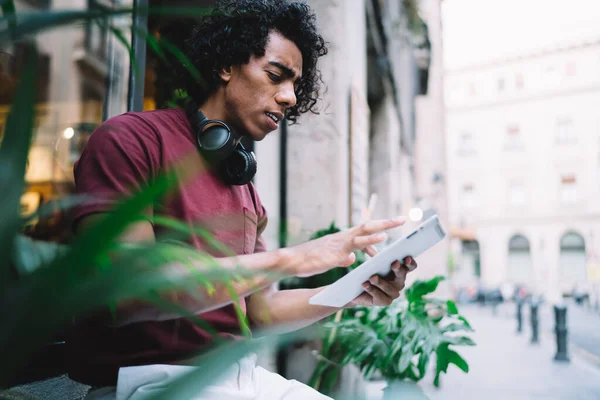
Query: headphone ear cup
{"x": 215, "y": 142}
{"x": 239, "y": 168}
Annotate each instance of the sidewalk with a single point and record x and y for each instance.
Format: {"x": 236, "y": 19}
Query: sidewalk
{"x": 505, "y": 365}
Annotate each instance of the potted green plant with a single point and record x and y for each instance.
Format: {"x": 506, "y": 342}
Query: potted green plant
{"x": 396, "y": 342}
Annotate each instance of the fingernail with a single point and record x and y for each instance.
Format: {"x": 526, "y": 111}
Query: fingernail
{"x": 408, "y": 260}
{"x": 373, "y": 280}
{"x": 399, "y": 219}
{"x": 366, "y": 285}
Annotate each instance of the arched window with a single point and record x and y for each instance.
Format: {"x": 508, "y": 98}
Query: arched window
{"x": 572, "y": 262}
{"x": 471, "y": 260}
{"x": 519, "y": 260}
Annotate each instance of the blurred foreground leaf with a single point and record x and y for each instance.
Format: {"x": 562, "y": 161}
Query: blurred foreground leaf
{"x": 8, "y": 11}
{"x": 14, "y": 150}
{"x": 17, "y": 26}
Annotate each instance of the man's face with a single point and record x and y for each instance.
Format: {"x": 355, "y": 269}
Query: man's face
{"x": 258, "y": 93}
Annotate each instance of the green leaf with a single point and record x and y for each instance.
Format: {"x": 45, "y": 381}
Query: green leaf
{"x": 8, "y": 7}
{"x": 459, "y": 340}
{"x": 187, "y": 314}
{"x": 30, "y": 23}
{"x": 451, "y": 306}
{"x": 423, "y": 363}
{"x": 181, "y": 57}
{"x": 411, "y": 373}
{"x": 441, "y": 362}
{"x": 422, "y": 288}
{"x": 464, "y": 320}
{"x": 455, "y": 358}
{"x": 93, "y": 242}
{"x": 455, "y": 327}
{"x": 179, "y": 226}
{"x": 26, "y": 24}
{"x": 241, "y": 316}
{"x": 68, "y": 273}
{"x": 127, "y": 279}
{"x": 405, "y": 357}
{"x": 14, "y": 151}
{"x": 8, "y": 11}
{"x": 324, "y": 232}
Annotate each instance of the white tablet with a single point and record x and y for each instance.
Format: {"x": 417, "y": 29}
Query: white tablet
{"x": 347, "y": 288}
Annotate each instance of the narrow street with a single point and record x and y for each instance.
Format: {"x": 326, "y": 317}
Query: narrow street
{"x": 505, "y": 365}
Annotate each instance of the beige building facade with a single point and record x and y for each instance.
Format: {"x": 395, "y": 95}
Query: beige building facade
{"x": 523, "y": 149}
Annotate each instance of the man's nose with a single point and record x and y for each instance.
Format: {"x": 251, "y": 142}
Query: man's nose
{"x": 286, "y": 96}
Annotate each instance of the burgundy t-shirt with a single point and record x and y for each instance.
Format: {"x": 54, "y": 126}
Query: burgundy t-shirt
{"x": 122, "y": 156}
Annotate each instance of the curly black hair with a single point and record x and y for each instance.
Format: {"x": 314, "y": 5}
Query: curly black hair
{"x": 239, "y": 29}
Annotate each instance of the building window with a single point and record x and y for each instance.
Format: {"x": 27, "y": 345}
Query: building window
{"x": 565, "y": 134}
{"x": 513, "y": 140}
{"x": 516, "y": 194}
{"x": 519, "y": 260}
{"x": 500, "y": 84}
{"x": 568, "y": 189}
{"x": 472, "y": 90}
{"x": 469, "y": 199}
{"x": 465, "y": 144}
{"x": 572, "y": 261}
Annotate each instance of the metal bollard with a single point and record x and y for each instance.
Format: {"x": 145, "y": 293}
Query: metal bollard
{"x": 560, "y": 329}
{"x": 519, "y": 316}
{"x": 534, "y": 322}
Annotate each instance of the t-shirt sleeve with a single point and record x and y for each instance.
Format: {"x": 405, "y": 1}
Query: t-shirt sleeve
{"x": 120, "y": 159}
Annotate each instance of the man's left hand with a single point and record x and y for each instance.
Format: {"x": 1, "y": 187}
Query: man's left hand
{"x": 383, "y": 290}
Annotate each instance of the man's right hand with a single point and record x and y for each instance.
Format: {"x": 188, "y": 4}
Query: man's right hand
{"x": 337, "y": 249}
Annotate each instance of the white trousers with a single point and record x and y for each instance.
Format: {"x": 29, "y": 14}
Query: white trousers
{"x": 244, "y": 381}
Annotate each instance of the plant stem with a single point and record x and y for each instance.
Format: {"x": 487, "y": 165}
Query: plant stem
{"x": 337, "y": 318}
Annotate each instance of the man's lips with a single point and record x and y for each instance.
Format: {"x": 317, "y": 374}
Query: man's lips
{"x": 274, "y": 117}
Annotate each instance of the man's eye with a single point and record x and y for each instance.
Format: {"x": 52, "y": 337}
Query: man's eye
{"x": 274, "y": 77}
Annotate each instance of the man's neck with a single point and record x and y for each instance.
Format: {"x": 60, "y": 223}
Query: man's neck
{"x": 213, "y": 109}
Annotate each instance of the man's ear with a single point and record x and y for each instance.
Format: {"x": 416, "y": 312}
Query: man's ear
{"x": 225, "y": 74}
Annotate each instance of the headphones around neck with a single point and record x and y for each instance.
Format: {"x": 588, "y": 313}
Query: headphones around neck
{"x": 218, "y": 145}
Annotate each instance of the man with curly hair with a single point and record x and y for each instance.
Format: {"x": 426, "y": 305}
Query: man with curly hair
{"x": 257, "y": 64}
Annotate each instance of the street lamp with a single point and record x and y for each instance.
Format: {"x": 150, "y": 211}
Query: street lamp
{"x": 69, "y": 133}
